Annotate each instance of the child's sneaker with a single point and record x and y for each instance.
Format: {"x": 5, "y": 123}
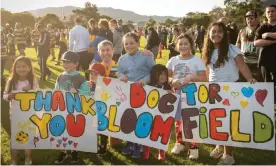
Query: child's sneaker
{"x": 226, "y": 160}
{"x": 146, "y": 152}
{"x": 28, "y": 162}
{"x": 217, "y": 152}
{"x": 137, "y": 151}
{"x": 178, "y": 147}
{"x": 128, "y": 148}
{"x": 62, "y": 156}
{"x": 162, "y": 155}
{"x": 193, "y": 154}
{"x": 75, "y": 157}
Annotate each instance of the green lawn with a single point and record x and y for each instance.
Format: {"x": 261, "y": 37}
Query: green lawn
{"x": 39, "y": 157}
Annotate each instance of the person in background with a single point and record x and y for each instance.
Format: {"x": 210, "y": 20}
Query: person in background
{"x": 103, "y": 24}
{"x": 198, "y": 40}
{"x": 265, "y": 39}
{"x": 164, "y": 37}
{"x": 117, "y": 39}
{"x": 62, "y": 46}
{"x": 11, "y": 46}
{"x": 44, "y": 52}
{"x": 20, "y": 38}
{"x": 52, "y": 32}
{"x": 79, "y": 43}
{"x": 233, "y": 33}
{"x": 35, "y": 35}
{"x": 245, "y": 42}
{"x": 93, "y": 31}
{"x": 120, "y": 24}
{"x": 153, "y": 41}
{"x": 176, "y": 33}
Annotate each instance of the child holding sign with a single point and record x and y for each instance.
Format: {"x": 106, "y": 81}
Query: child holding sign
{"x": 223, "y": 63}
{"x": 133, "y": 66}
{"x": 22, "y": 79}
{"x": 159, "y": 79}
{"x": 95, "y": 70}
{"x": 71, "y": 80}
{"x": 106, "y": 52}
{"x": 183, "y": 69}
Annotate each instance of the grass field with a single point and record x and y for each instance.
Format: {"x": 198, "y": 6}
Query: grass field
{"x": 40, "y": 157}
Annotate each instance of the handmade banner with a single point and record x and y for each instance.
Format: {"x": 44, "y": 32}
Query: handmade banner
{"x": 53, "y": 120}
{"x": 142, "y": 115}
{"x": 232, "y": 114}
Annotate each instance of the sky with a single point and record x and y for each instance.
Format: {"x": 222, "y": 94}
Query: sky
{"x": 176, "y": 8}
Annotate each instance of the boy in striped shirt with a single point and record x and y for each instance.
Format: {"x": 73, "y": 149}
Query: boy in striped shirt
{"x": 20, "y": 38}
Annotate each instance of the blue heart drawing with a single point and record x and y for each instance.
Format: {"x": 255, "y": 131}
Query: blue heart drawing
{"x": 118, "y": 103}
{"x": 247, "y": 92}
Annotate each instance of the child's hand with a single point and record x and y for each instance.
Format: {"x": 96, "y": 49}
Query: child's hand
{"x": 176, "y": 84}
{"x": 26, "y": 88}
{"x": 90, "y": 83}
{"x": 141, "y": 82}
{"x": 252, "y": 81}
{"x": 73, "y": 90}
{"x": 11, "y": 96}
{"x": 124, "y": 78}
{"x": 148, "y": 53}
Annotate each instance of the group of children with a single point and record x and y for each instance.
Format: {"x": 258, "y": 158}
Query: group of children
{"x": 221, "y": 63}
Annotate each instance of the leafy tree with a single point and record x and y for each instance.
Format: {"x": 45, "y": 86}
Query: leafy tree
{"x": 89, "y": 11}
{"x": 216, "y": 13}
{"x": 52, "y": 19}
{"x": 168, "y": 22}
{"x": 6, "y": 17}
{"x": 151, "y": 22}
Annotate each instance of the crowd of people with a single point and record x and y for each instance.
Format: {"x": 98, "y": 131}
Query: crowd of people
{"x": 110, "y": 49}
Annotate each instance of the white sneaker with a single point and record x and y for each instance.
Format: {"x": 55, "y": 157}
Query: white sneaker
{"x": 226, "y": 160}
{"x": 28, "y": 162}
{"x": 193, "y": 154}
{"x": 178, "y": 147}
{"x": 216, "y": 153}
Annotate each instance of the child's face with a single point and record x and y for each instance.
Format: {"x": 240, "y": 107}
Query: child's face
{"x": 184, "y": 46}
{"x": 162, "y": 78}
{"x": 106, "y": 53}
{"x": 69, "y": 66}
{"x": 131, "y": 45}
{"x": 93, "y": 76}
{"x": 216, "y": 34}
{"x": 22, "y": 69}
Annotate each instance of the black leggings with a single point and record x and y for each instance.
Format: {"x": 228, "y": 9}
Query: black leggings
{"x": 84, "y": 62}
{"x": 269, "y": 76}
{"x": 44, "y": 70}
{"x": 62, "y": 49}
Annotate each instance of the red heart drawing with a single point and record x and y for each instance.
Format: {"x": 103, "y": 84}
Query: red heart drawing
{"x": 106, "y": 81}
{"x": 260, "y": 96}
{"x": 36, "y": 139}
{"x": 57, "y": 145}
{"x": 64, "y": 139}
{"x": 52, "y": 139}
{"x": 226, "y": 102}
{"x": 75, "y": 144}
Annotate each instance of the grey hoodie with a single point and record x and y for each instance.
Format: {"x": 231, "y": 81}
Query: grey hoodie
{"x": 117, "y": 40}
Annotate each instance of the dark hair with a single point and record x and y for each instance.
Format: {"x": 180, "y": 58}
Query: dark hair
{"x": 254, "y": 12}
{"x": 133, "y": 35}
{"x": 187, "y": 36}
{"x": 15, "y": 76}
{"x": 274, "y": 6}
{"x": 125, "y": 29}
{"x": 155, "y": 73}
{"x": 209, "y": 46}
{"x": 92, "y": 21}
